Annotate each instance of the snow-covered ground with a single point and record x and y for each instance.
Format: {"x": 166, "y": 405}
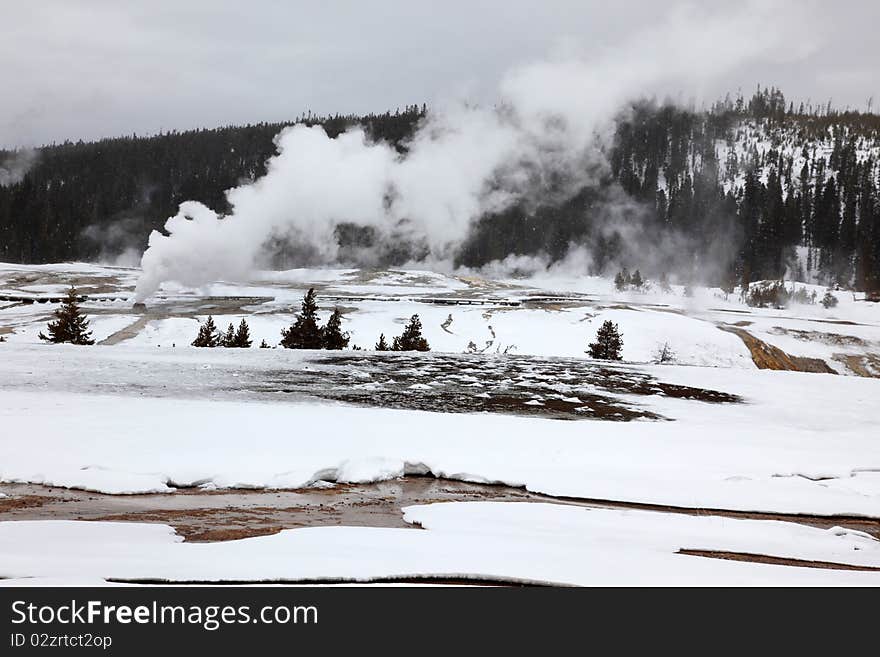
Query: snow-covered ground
{"x": 801, "y": 443}
{"x": 545, "y": 316}
{"x": 145, "y": 412}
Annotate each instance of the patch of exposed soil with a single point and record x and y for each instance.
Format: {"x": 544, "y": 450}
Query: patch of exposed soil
{"x": 867, "y": 365}
{"x": 16, "y": 502}
{"x": 776, "y": 561}
{"x": 768, "y": 357}
{"x": 868, "y": 525}
{"x": 129, "y": 332}
{"x": 220, "y": 515}
{"x": 844, "y": 322}
{"x": 833, "y": 339}
{"x": 730, "y": 310}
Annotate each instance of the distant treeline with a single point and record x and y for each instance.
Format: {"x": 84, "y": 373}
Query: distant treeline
{"x": 701, "y": 200}
{"x": 85, "y": 200}
{"x": 712, "y": 195}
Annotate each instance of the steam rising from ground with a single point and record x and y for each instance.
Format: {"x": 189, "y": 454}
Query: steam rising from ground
{"x": 546, "y": 136}
{"x": 14, "y": 167}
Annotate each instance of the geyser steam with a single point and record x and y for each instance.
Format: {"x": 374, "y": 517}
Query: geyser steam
{"x": 462, "y": 163}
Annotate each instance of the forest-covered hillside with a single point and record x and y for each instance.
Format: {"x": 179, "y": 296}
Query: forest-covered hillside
{"x": 745, "y": 190}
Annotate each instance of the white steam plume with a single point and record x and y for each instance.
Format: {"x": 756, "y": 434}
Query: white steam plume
{"x": 15, "y": 166}
{"x": 463, "y": 161}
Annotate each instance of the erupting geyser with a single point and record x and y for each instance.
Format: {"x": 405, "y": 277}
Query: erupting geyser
{"x": 546, "y": 136}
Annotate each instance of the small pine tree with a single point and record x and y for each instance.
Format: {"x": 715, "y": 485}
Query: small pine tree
{"x": 208, "y": 335}
{"x": 636, "y": 280}
{"x": 609, "y": 342}
{"x": 664, "y": 354}
{"x": 332, "y": 335}
{"x": 411, "y": 339}
{"x": 304, "y": 333}
{"x": 69, "y": 325}
{"x": 242, "y": 337}
{"x": 382, "y": 345}
{"x": 264, "y": 345}
{"x": 228, "y": 339}
{"x": 829, "y": 300}
{"x": 621, "y": 280}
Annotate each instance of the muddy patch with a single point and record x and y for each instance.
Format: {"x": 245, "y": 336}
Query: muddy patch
{"x": 221, "y": 515}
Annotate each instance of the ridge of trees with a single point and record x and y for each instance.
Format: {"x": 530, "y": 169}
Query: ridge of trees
{"x": 735, "y": 189}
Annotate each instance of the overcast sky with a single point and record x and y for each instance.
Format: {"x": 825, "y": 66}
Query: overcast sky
{"x": 72, "y": 69}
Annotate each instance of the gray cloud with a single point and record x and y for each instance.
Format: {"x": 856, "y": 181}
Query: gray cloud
{"x": 90, "y": 68}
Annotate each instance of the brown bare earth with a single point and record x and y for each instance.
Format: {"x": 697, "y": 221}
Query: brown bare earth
{"x": 204, "y": 515}
{"x": 13, "y": 503}
{"x": 867, "y": 365}
{"x": 834, "y": 339}
{"x": 768, "y": 357}
{"x": 776, "y": 561}
{"x": 219, "y": 515}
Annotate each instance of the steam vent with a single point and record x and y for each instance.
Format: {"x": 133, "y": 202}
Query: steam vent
{"x": 139, "y": 307}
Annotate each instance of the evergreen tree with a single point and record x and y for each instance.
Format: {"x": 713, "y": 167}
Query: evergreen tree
{"x": 264, "y": 345}
{"x": 208, "y": 335}
{"x": 664, "y": 354}
{"x": 332, "y": 335}
{"x": 228, "y": 339}
{"x": 69, "y": 325}
{"x": 411, "y": 339}
{"x": 382, "y": 345}
{"x": 304, "y": 333}
{"x": 829, "y": 300}
{"x": 242, "y": 337}
{"x": 608, "y": 344}
{"x": 636, "y": 280}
